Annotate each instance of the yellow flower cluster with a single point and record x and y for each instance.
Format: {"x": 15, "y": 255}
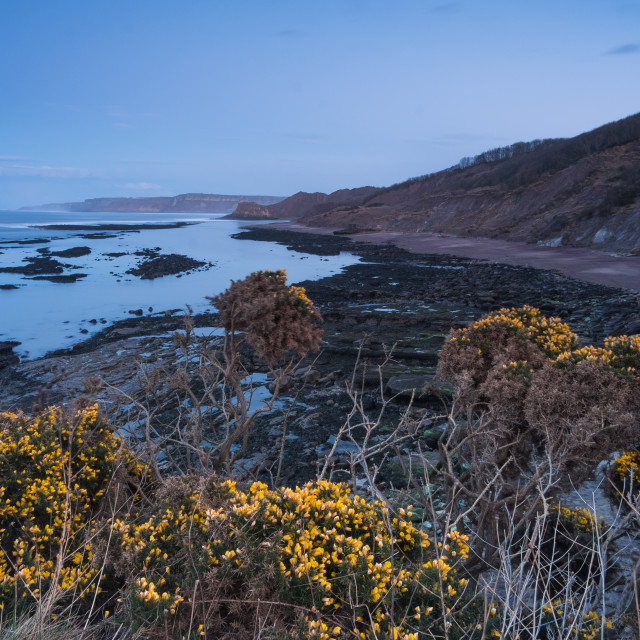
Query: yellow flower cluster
{"x": 336, "y": 552}
{"x": 551, "y": 334}
{"x": 518, "y": 367}
{"x": 579, "y": 520}
{"x": 358, "y": 567}
{"x": 623, "y": 343}
{"x": 589, "y": 628}
{"x": 54, "y": 470}
{"x": 620, "y": 354}
{"x": 627, "y": 467}
{"x": 300, "y": 298}
{"x": 279, "y": 276}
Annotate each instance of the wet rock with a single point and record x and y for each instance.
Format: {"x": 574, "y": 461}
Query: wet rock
{"x": 342, "y": 448}
{"x": 431, "y": 437}
{"x": 632, "y": 328}
{"x": 286, "y": 383}
{"x": 73, "y": 252}
{"x": 30, "y": 241}
{"x": 413, "y": 466}
{"x": 408, "y": 384}
{"x": 310, "y": 377}
{"x": 68, "y": 277}
{"x": 165, "y": 265}
{"x": 7, "y": 356}
{"x": 36, "y": 266}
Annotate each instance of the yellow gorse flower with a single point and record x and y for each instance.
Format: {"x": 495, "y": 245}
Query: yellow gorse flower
{"x": 54, "y": 470}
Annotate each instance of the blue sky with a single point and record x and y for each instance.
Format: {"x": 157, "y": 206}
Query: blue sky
{"x": 158, "y": 97}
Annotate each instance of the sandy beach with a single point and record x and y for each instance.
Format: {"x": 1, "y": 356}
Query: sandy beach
{"x": 584, "y": 264}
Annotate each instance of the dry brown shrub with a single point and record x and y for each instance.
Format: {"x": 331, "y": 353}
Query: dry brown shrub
{"x": 278, "y": 319}
{"x": 581, "y": 413}
{"x": 504, "y": 392}
{"x": 530, "y": 418}
{"x": 467, "y": 366}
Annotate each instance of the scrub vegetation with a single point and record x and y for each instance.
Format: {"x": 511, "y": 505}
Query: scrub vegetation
{"x": 101, "y": 537}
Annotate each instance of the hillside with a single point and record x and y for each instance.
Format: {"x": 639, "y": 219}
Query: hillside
{"x": 302, "y": 204}
{"x": 183, "y": 203}
{"x": 582, "y": 191}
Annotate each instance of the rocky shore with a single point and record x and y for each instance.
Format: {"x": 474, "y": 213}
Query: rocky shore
{"x": 393, "y": 307}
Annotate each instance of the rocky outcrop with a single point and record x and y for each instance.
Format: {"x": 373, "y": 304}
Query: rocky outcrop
{"x": 161, "y": 265}
{"x": 302, "y": 204}
{"x": 7, "y": 356}
{"x": 251, "y": 211}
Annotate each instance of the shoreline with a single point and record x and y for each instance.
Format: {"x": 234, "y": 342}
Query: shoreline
{"x": 391, "y": 301}
{"x": 520, "y": 284}
{"x": 584, "y": 264}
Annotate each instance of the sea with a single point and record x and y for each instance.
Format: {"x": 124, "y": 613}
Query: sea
{"x": 44, "y": 316}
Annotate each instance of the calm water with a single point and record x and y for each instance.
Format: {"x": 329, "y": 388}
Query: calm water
{"x": 44, "y": 315}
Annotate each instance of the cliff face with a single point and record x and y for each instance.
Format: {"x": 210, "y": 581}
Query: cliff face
{"x": 583, "y": 191}
{"x": 184, "y": 203}
{"x": 250, "y": 211}
{"x": 302, "y": 204}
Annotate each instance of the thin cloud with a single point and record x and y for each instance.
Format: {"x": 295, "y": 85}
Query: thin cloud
{"x": 45, "y": 171}
{"x": 13, "y": 159}
{"x": 624, "y": 50}
{"x": 117, "y": 112}
{"x": 141, "y": 185}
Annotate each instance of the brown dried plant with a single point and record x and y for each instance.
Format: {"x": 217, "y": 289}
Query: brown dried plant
{"x": 532, "y": 414}
{"x": 277, "y": 319}
{"x": 197, "y": 414}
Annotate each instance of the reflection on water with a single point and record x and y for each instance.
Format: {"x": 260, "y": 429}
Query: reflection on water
{"x": 44, "y": 315}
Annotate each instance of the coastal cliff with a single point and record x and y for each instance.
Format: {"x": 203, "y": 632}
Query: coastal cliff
{"x": 183, "y": 203}
{"x": 582, "y": 191}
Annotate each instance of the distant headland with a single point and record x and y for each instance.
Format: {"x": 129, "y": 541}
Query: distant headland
{"x": 183, "y": 203}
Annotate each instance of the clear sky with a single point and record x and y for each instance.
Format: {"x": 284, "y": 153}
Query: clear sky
{"x": 159, "y": 97}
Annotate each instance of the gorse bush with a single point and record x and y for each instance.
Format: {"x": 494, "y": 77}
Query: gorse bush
{"x": 202, "y": 557}
{"x": 277, "y": 318}
{"x": 533, "y": 408}
{"x": 591, "y": 625}
{"x": 197, "y": 410}
{"x": 323, "y": 562}
{"x": 505, "y": 337}
{"x": 620, "y": 354}
{"x": 625, "y": 477}
{"x": 58, "y": 476}
{"x": 87, "y": 528}
{"x": 528, "y": 373}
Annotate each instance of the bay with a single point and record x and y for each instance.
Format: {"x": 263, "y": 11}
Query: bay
{"x": 44, "y": 315}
